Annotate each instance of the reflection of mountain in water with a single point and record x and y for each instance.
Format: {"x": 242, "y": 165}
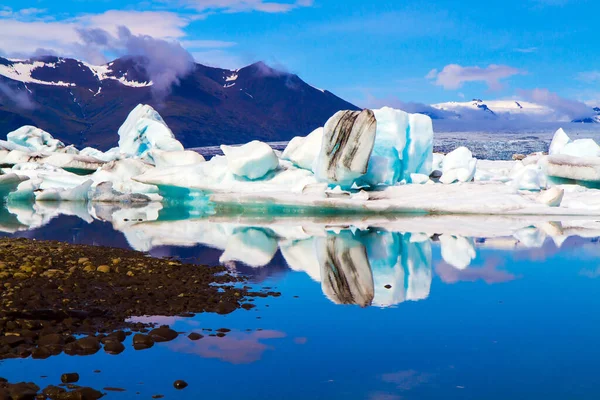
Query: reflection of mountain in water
{"x": 366, "y": 261}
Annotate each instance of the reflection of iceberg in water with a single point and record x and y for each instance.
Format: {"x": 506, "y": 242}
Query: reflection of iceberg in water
{"x": 368, "y": 260}
{"x": 346, "y": 276}
{"x": 401, "y": 265}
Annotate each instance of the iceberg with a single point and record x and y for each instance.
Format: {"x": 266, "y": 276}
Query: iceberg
{"x": 252, "y": 161}
{"x": 143, "y": 130}
{"x": 303, "y": 151}
{"x": 458, "y": 165}
{"x": 348, "y": 140}
{"x": 528, "y": 177}
{"x": 34, "y": 139}
{"x": 162, "y": 158}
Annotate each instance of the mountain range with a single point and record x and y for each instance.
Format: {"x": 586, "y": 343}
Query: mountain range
{"x": 83, "y": 104}
{"x": 507, "y": 110}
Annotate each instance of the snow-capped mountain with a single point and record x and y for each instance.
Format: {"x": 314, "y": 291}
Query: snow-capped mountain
{"x": 507, "y": 109}
{"x": 85, "y": 104}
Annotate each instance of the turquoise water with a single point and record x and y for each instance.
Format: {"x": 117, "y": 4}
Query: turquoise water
{"x": 509, "y": 311}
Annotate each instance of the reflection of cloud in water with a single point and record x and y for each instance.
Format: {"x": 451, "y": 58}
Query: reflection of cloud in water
{"x": 235, "y": 348}
{"x": 488, "y": 273}
{"x": 406, "y": 380}
{"x": 383, "y": 396}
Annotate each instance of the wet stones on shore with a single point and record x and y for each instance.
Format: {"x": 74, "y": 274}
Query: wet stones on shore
{"x": 57, "y": 297}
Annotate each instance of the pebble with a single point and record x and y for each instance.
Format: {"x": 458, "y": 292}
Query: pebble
{"x": 70, "y": 377}
{"x": 142, "y": 342}
{"x": 195, "y": 336}
{"x": 180, "y": 384}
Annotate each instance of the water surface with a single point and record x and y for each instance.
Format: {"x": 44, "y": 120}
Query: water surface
{"x": 406, "y": 308}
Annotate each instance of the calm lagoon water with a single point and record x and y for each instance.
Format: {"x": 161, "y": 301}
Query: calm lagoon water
{"x": 508, "y": 312}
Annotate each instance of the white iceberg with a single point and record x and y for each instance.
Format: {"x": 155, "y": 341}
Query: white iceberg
{"x": 303, "y": 151}
{"x": 253, "y": 160}
{"x": 403, "y": 146}
{"x": 34, "y": 139}
{"x": 458, "y": 165}
{"x": 143, "y": 130}
{"x": 162, "y": 158}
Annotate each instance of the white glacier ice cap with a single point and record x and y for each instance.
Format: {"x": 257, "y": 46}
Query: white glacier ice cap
{"x": 143, "y": 130}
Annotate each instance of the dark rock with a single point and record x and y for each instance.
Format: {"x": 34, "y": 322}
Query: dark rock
{"x": 83, "y": 393}
{"x": 53, "y": 391}
{"x": 22, "y": 391}
{"x": 142, "y": 342}
{"x": 70, "y": 377}
{"x": 51, "y": 339}
{"x": 163, "y": 334}
{"x": 114, "y": 347}
{"x": 195, "y": 336}
{"x": 180, "y": 384}
{"x": 41, "y": 353}
{"x": 224, "y": 330}
{"x": 388, "y": 286}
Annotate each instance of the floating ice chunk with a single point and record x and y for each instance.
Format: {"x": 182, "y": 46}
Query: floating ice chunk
{"x": 303, "y": 151}
{"x": 162, "y": 159}
{"x": 348, "y": 140}
{"x": 346, "y": 276}
{"x": 552, "y": 197}
{"x": 107, "y": 156}
{"x": 15, "y": 157}
{"x": 459, "y": 165}
{"x": 253, "y": 160}
{"x": 72, "y": 162}
{"x": 528, "y": 177}
{"x": 79, "y": 193}
{"x": 120, "y": 174}
{"x": 437, "y": 162}
{"x": 253, "y": 247}
{"x": 104, "y": 193}
{"x": 559, "y": 141}
{"x": 34, "y": 139}
{"x": 25, "y": 190}
{"x": 576, "y": 168}
{"x": 457, "y": 251}
{"x": 301, "y": 255}
{"x": 581, "y": 148}
{"x": 143, "y": 130}
{"x": 419, "y": 179}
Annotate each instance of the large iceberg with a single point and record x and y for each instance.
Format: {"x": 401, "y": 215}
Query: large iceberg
{"x": 34, "y": 139}
{"x": 348, "y": 140}
{"x": 143, "y": 130}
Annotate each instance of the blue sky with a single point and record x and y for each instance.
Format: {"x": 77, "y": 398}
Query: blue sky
{"x": 370, "y": 53}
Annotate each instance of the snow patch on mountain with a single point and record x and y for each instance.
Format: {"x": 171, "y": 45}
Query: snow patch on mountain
{"x": 22, "y": 71}
{"x": 507, "y": 109}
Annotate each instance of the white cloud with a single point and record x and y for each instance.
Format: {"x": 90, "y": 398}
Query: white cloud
{"x": 453, "y": 76}
{"x": 589, "y": 76}
{"x": 235, "y": 6}
{"x": 572, "y": 108}
{"x": 526, "y": 50}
